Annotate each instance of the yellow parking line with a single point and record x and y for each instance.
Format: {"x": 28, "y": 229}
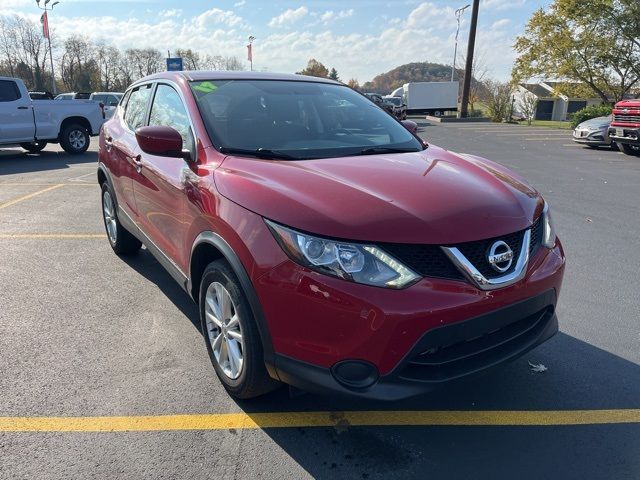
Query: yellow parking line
{"x": 318, "y": 419}
{"x": 51, "y": 235}
{"x": 31, "y": 195}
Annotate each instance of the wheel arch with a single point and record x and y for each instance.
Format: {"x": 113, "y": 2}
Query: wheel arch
{"x": 209, "y": 247}
{"x": 71, "y": 120}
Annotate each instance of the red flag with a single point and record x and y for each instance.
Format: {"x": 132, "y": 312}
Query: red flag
{"x": 45, "y": 25}
{"x": 249, "y": 53}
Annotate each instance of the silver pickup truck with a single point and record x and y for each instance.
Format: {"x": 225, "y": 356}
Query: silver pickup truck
{"x": 34, "y": 123}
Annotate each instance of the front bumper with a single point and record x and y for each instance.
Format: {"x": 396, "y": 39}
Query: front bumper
{"x": 319, "y": 322}
{"x": 596, "y": 138}
{"x": 442, "y": 355}
{"x": 626, "y": 135}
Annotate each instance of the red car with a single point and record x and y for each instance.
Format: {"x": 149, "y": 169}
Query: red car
{"x": 625, "y": 127}
{"x": 327, "y": 246}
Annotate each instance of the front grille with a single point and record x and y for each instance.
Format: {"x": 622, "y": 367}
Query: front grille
{"x": 449, "y": 361}
{"x": 426, "y": 260}
{"x": 431, "y": 261}
{"x": 626, "y": 117}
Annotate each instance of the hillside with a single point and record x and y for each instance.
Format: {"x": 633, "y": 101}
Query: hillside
{"x": 411, "y": 72}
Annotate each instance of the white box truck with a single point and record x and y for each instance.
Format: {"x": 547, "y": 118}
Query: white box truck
{"x": 431, "y": 98}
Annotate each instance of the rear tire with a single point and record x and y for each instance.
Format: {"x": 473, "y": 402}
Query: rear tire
{"x": 74, "y": 139}
{"x": 231, "y": 334}
{"x": 121, "y": 240}
{"x": 34, "y": 147}
{"x": 627, "y": 149}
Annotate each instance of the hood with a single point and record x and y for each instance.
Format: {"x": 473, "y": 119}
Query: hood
{"x": 599, "y": 122}
{"x": 433, "y": 196}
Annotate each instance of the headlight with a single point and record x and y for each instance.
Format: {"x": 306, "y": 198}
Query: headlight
{"x": 548, "y": 231}
{"x": 359, "y": 263}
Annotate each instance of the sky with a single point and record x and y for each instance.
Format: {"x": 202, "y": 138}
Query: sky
{"x": 360, "y": 38}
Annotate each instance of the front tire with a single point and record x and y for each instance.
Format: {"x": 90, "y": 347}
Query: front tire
{"x": 34, "y": 147}
{"x": 74, "y": 139}
{"x": 627, "y": 149}
{"x": 231, "y": 334}
{"x": 121, "y": 240}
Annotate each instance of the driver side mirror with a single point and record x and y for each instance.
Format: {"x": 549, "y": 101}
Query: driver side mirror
{"x": 162, "y": 141}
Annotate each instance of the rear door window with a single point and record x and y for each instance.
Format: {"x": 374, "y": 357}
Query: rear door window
{"x": 135, "y": 114}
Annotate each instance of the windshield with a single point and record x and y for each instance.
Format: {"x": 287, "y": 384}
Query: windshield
{"x": 395, "y": 100}
{"x": 296, "y": 120}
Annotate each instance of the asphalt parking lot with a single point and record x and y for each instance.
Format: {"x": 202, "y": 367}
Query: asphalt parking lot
{"x": 104, "y": 373}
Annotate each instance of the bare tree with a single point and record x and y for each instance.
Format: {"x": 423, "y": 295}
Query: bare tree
{"x": 108, "y": 59}
{"x": 528, "y": 104}
{"x": 497, "y": 97}
{"x": 78, "y": 66}
{"x": 479, "y": 72}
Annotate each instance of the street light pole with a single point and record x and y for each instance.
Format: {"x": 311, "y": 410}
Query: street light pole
{"x": 44, "y": 7}
{"x": 250, "y": 47}
{"x": 469, "y": 67}
{"x": 458, "y": 14}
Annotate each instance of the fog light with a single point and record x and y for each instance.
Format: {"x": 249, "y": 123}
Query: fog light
{"x": 355, "y": 373}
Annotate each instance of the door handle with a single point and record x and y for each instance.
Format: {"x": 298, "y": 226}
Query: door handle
{"x": 23, "y": 108}
{"x": 137, "y": 161}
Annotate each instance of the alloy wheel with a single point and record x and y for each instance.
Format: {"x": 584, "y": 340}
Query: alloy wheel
{"x": 77, "y": 139}
{"x": 224, "y": 330}
{"x": 109, "y": 213}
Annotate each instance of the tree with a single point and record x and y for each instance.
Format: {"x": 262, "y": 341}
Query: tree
{"x": 479, "y": 71}
{"x": 78, "y": 66}
{"x": 315, "y": 69}
{"x": 497, "y": 97}
{"x": 528, "y": 105}
{"x": 333, "y": 75}
{"x": 353, "y": 83}
{"x": 596, "y": 42}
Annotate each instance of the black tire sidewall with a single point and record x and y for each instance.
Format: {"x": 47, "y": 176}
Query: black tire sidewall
{"x": 34, "y": 147}
{"x": 125, "y": 242}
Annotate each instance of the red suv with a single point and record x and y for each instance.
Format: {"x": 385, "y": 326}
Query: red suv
{"x": 327, "y": 246}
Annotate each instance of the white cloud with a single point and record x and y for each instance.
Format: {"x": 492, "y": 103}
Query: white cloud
{"x": 427, "y": 15}
{"x": 288, "y": 17}
{"x": 240, "y": 3}
{"x": 503, "y": 22}
{"x": 330, "y": 15}
{"x": 215, "y": 16}
{"x": 502, "y": 4}
{"x": 173, "y": 12}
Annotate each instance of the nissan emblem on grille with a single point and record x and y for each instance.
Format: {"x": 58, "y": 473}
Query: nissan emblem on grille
{"x": 500, "y": 256}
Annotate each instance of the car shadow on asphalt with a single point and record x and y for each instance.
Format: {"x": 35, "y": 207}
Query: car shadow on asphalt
{"x": 147, "y": 266}
{"x": 19, "y": 161}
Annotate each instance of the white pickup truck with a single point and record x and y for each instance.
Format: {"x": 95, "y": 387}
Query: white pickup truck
{"x": 32, "y": 124}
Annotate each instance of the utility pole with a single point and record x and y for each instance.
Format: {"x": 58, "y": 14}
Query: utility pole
{"x": 47, "y": 33}
{"x": 250, "y": 50}
{"x": 458, "y": 14}
{"x": 469, "y": 67}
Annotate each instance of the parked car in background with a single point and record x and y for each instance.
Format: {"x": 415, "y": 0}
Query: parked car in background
{"x": 32, "y": 124}
{"x": 378, "y": 100}
{"x": 40, "y": 95}
{"x": 327, "y": 246}
{"x": 108, "y": 99}
{"x": 399, "y": 107}
{"x": 73, "y": 96}
{"x": 625, "y": 127}
{"x": 594, "y": 132}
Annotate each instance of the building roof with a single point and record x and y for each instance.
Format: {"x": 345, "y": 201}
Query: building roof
{"x": 537, "y": 89}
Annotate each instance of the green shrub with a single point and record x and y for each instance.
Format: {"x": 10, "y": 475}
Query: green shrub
{"x": 592, "y": 111}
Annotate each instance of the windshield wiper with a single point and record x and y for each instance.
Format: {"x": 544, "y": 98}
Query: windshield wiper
{"x": 376, "y": 150}
{"x": 258, "y": 152}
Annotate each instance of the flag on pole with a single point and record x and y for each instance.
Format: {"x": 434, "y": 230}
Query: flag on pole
{"x": 45, "y": 25}
{"x": 249, "y": 53}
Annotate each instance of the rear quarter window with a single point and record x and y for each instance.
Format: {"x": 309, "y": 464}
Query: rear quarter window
{"x": 136, "y": 109}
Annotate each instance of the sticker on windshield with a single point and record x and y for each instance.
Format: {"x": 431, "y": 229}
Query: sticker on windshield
{"x": 206, "y": 87}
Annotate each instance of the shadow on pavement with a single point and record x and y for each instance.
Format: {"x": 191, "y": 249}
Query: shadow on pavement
{"x": 20, "y": 161}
